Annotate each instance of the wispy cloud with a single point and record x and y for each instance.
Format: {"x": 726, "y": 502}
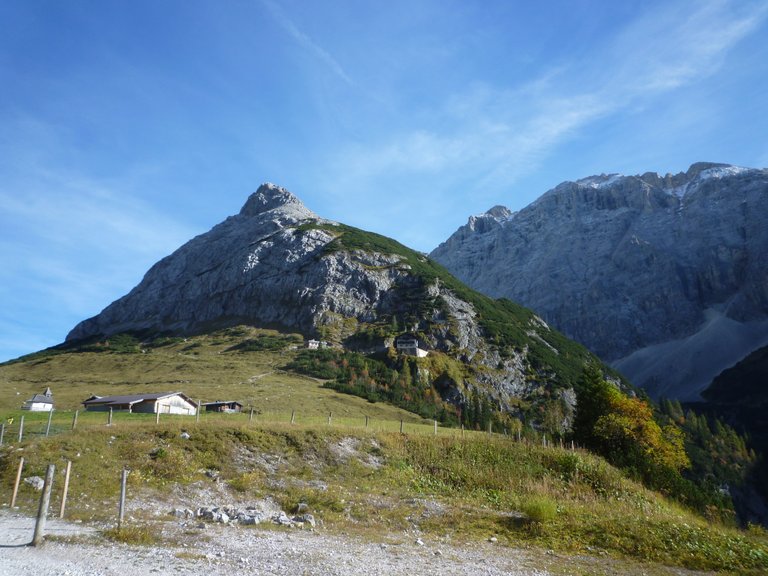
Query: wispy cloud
{"x": 305, "y": 41}
{"x": 680, "y": 43}
{"x": 502, "y": 133}
{"x": 74, "y": 212}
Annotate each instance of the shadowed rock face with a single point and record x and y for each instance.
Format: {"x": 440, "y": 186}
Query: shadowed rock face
{"x": 665, "y": 277}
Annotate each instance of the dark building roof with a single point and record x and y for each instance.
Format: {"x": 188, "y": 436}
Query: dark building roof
{"x": 222, "y": 403}
{"x": 44, "y": 398}
{"x": 133, "y": 398}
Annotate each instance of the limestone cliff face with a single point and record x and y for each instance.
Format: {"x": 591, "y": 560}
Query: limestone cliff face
{"x": 277, "y": 264}
{"x": 664, "y": 276}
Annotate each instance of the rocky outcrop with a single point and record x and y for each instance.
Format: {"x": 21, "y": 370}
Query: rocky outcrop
{"x": 267, "y": 266}
{"x": 666, "y": 277}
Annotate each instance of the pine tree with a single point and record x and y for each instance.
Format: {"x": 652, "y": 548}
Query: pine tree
{"x": 592, "y": 401}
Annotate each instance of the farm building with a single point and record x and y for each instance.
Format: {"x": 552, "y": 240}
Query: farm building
{"x": 40, "y": 402}
{"x": 162, "y": 402}
{"x": 223, "y": 406}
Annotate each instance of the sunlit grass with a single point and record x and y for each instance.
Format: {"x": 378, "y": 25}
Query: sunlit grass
{"x": 352, "y": 478}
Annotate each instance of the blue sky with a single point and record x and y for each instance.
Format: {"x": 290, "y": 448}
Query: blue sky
{"x": 127, "y": 128}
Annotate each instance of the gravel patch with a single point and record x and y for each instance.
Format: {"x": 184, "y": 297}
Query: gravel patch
{"x": 79, "y": 550}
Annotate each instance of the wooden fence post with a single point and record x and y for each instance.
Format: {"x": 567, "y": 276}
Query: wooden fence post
{"x": 48, "y": 427}
{"x": 21, "y": 428}
{"x": 42, "y": 511}
{"x": 435, "y": 427}
{"x": 157, "y": 415}
{"x": 2, "y": 433}
{"x": 401, "y": 425}
{"x": 490, "y": 427}
{"x": 197, "y": 414}
{"x": 250, "y": 417}
{"x": 16, "y": 484}
{"x": 330, "y": 415}
{"x": 66, "y": 489}
{"x": 109, "y": 418}
{"x": 366, "y": 421}
{"x": 462, "y": 430}
{"x": 74, "y": 419}
{"x": 293, "y": 416}
{"x": 121, "y": 510}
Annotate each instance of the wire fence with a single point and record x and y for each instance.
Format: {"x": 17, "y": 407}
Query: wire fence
{"x": 20, "y": 426}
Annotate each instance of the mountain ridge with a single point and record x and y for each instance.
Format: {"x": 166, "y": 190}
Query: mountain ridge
{"x": 625, "y": 263}
{"x": 278, "y": 264}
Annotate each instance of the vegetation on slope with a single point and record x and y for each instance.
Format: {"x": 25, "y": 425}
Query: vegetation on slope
{"x": 401, "y": 381}
{"x": 265, "y": 372}
{"x": 739, "y": 397}
{"x": 678, "y": 455}
{"x": 507, "y": 325}
{"x": 385, "y": 485}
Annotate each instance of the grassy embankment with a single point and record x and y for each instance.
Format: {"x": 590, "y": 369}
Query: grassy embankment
{"x": 386, "y": 485}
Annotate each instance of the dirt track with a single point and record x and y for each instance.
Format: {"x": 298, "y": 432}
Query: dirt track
{"x": 77, "y": 550}
{"x": 73, "y": 549}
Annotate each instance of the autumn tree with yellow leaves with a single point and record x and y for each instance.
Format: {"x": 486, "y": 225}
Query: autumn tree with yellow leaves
{"x": 623, "y": 430}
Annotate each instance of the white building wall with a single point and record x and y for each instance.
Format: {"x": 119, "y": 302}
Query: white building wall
{"x": 37, "y": 407}
{"x": 176, "y": 405}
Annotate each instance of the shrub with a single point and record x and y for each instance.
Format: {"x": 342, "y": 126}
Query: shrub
{"x": 540, "y": 510}
{"x": 141, "y": 535}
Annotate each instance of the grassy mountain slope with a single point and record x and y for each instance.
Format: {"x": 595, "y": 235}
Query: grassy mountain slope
{"x": 389, "y": 487}
{"x": 453, "y": 486}
{"x": 224, "y": 365}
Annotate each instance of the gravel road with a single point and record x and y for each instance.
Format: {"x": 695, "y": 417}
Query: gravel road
{"x": 73, "y": 549}
{"x": 78, "y": 550}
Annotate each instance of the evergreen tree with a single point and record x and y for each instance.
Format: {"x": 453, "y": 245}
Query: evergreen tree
{"x": 592, "y": 401}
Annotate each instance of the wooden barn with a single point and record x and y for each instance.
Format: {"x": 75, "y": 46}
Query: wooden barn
{"x": 223, "y": 406}
{"x": 162, "y": 402}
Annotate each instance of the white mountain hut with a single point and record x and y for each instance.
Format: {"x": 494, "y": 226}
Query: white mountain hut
{"x": 40, "y": 402}
{"x": 409, "y": 344}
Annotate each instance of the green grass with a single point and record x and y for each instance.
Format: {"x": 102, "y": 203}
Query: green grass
{"x": 142, "y": 535}
{"x": 380, "y": 484}
{"x": 368, "y": 479}
{"x": 206, "y": 368}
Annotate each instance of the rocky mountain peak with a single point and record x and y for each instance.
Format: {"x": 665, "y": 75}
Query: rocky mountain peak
{"x": 272, "y": 197}
{"x": 489, "y": 220}
{"x": 699, "y": 167}
{"x": 500, "y": 212}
